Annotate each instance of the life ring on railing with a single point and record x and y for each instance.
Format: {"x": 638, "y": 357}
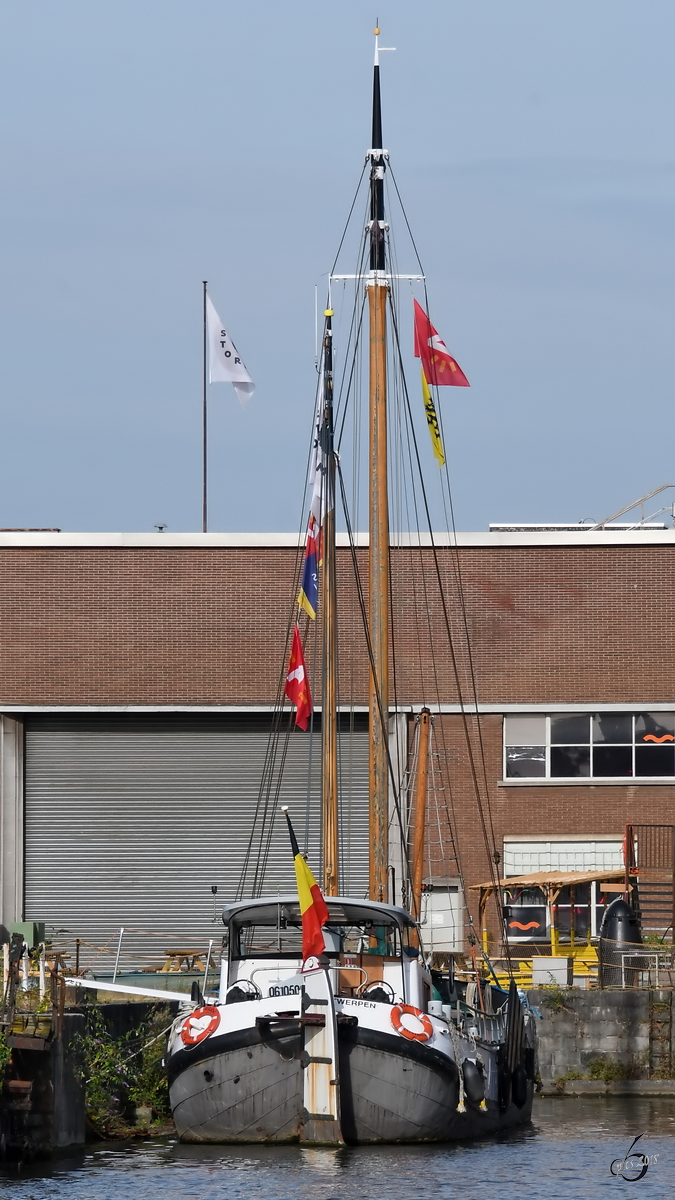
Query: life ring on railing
{"x": 399, "y": 1011}
{"x": 199, "y": 1025}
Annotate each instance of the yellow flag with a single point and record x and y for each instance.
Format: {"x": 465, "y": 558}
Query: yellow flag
{"x": 432, "y": 421}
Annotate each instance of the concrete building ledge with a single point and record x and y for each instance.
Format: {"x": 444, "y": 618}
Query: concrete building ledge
{"x": 583, "y": 536}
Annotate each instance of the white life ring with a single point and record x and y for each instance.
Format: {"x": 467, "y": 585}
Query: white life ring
{"x": 199, "y": 1025}
{"x": 399, "y": 1011}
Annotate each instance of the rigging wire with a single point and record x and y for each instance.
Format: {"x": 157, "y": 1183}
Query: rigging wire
{"x": 453, "y": 655}
{"x": 396, "y": 479}
{"x": 268, "y": 794}
{"x": 450, "y": 812}
{"x": 427, "y": 607}
{"x": 351, "y": 210}
{"x": 494, "y": 857}
{"x": 350, "y": 384}
{"x": 393, "y": 299}
{"x": 451, "y": 818}
{"x": 371, "y": 657}
{"x": 267, "y": 800}
{"x": 353, "y": 334}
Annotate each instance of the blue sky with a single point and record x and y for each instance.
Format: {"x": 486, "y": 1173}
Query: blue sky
{"x": 149, "y": 145}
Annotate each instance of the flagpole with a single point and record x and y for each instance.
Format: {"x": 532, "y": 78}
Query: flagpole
{"x": 329, "y": 761}
{"x": 204, "y": 433}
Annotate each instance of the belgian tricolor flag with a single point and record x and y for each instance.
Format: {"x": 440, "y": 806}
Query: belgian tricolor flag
{"x": 312, "y": 904}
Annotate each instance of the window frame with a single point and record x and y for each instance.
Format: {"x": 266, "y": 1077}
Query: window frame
{"x": 581, "y": 780}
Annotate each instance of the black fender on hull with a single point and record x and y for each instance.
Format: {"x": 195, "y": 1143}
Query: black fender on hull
{"x": 474, "y": 1081}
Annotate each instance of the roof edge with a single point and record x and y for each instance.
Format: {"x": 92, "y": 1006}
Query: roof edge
{"x": 608, "y": 538}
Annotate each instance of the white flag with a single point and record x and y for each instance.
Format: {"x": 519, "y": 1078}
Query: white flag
{"x": 225, "y": 365}
{"x": 318, "y": 469}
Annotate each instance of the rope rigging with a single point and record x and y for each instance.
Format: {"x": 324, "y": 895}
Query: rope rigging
{"x": 410, "y": 502}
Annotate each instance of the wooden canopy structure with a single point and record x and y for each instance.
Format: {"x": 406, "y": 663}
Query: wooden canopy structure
{"x": 551, "y": 883}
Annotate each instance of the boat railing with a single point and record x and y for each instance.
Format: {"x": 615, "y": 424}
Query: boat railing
{"x": 488, "y": 1027}
{"x": 274, "y": 968}
{"x": 341, "y": 969}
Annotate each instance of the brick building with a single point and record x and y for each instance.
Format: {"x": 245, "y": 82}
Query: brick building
{"x": 138, "y": 676}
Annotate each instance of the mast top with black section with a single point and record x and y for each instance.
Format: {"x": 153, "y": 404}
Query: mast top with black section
{"x": 377, "y": 260}
{"x": 379, "y": 513}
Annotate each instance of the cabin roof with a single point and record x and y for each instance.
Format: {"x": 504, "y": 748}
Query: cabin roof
{"x": 358, "y": 909}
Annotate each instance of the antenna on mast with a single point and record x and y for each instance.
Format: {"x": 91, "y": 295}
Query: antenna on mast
{"x": 376, "y": 141}
{"x": 378, "y": 47}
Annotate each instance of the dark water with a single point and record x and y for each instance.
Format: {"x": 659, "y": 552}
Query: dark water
{"x": 566, "y": 1153}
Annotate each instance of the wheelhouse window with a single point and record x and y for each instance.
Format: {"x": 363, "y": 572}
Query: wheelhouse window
{"x": 590, "y": 746}
{"x": 275, "y": 931}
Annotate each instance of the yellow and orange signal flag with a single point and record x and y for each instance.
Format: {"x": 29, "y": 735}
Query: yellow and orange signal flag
{"x": 312, "y": 904}
{"x": 432, "y": 421}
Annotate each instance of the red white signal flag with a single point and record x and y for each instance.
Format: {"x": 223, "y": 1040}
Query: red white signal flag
{"x": 297, "y": 683}
{"x": 439, "y": 367}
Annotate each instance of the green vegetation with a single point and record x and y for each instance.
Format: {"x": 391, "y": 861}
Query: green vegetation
{"x": 122, "y": 1074}
{"x": 556, "y": 997}
{"x": 601, "y": 1068}
{"x": 563, "y": 1079}
{"x": 5, "y": 1054}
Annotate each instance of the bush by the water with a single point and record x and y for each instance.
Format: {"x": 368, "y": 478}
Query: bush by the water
{"x": 121, "y": 1074}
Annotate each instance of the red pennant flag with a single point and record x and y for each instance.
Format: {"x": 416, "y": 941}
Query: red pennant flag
{"x": 439, "y": 367}
{"x": 297, "y": 683}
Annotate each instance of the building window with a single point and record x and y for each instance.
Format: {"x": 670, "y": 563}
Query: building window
{"x": 590, "y": 746}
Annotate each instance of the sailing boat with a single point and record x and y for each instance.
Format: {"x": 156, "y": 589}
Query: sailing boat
{"x": 345, "y": 1046}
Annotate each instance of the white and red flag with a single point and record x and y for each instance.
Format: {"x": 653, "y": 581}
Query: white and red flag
{"x": 297, "y": 683}
{"x": 439, "y": 367}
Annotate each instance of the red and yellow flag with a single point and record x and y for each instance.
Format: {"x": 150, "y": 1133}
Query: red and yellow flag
{"x": 312, "y": 904}
{"x": 297, "y": 683}
{"x": 440, "y": 368}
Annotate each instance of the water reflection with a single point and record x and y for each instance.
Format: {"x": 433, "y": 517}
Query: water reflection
{"x": 566, "y": 1152}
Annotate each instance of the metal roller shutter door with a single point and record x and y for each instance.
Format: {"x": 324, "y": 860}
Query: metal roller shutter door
{"x": 130, "y": 820}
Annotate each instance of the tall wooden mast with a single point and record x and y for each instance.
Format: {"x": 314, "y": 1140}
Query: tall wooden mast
{"x": 420, "y": 811}
{"x": 329, "y": 773}
{"x": 379, "y": 514}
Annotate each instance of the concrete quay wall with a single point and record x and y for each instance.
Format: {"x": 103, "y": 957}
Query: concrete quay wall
{"x": 605, "y": 1041}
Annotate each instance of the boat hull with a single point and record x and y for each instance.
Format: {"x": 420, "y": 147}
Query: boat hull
{"x": 397, "y": 1091}
{"x": 248, "y": 1087}
{"x": 242, "y": 1087}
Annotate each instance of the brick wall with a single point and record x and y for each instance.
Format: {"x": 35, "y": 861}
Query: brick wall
{"x": 204, "y": 626}
{"x": 548, "y": 625}
{"x": 524, "y": 810}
